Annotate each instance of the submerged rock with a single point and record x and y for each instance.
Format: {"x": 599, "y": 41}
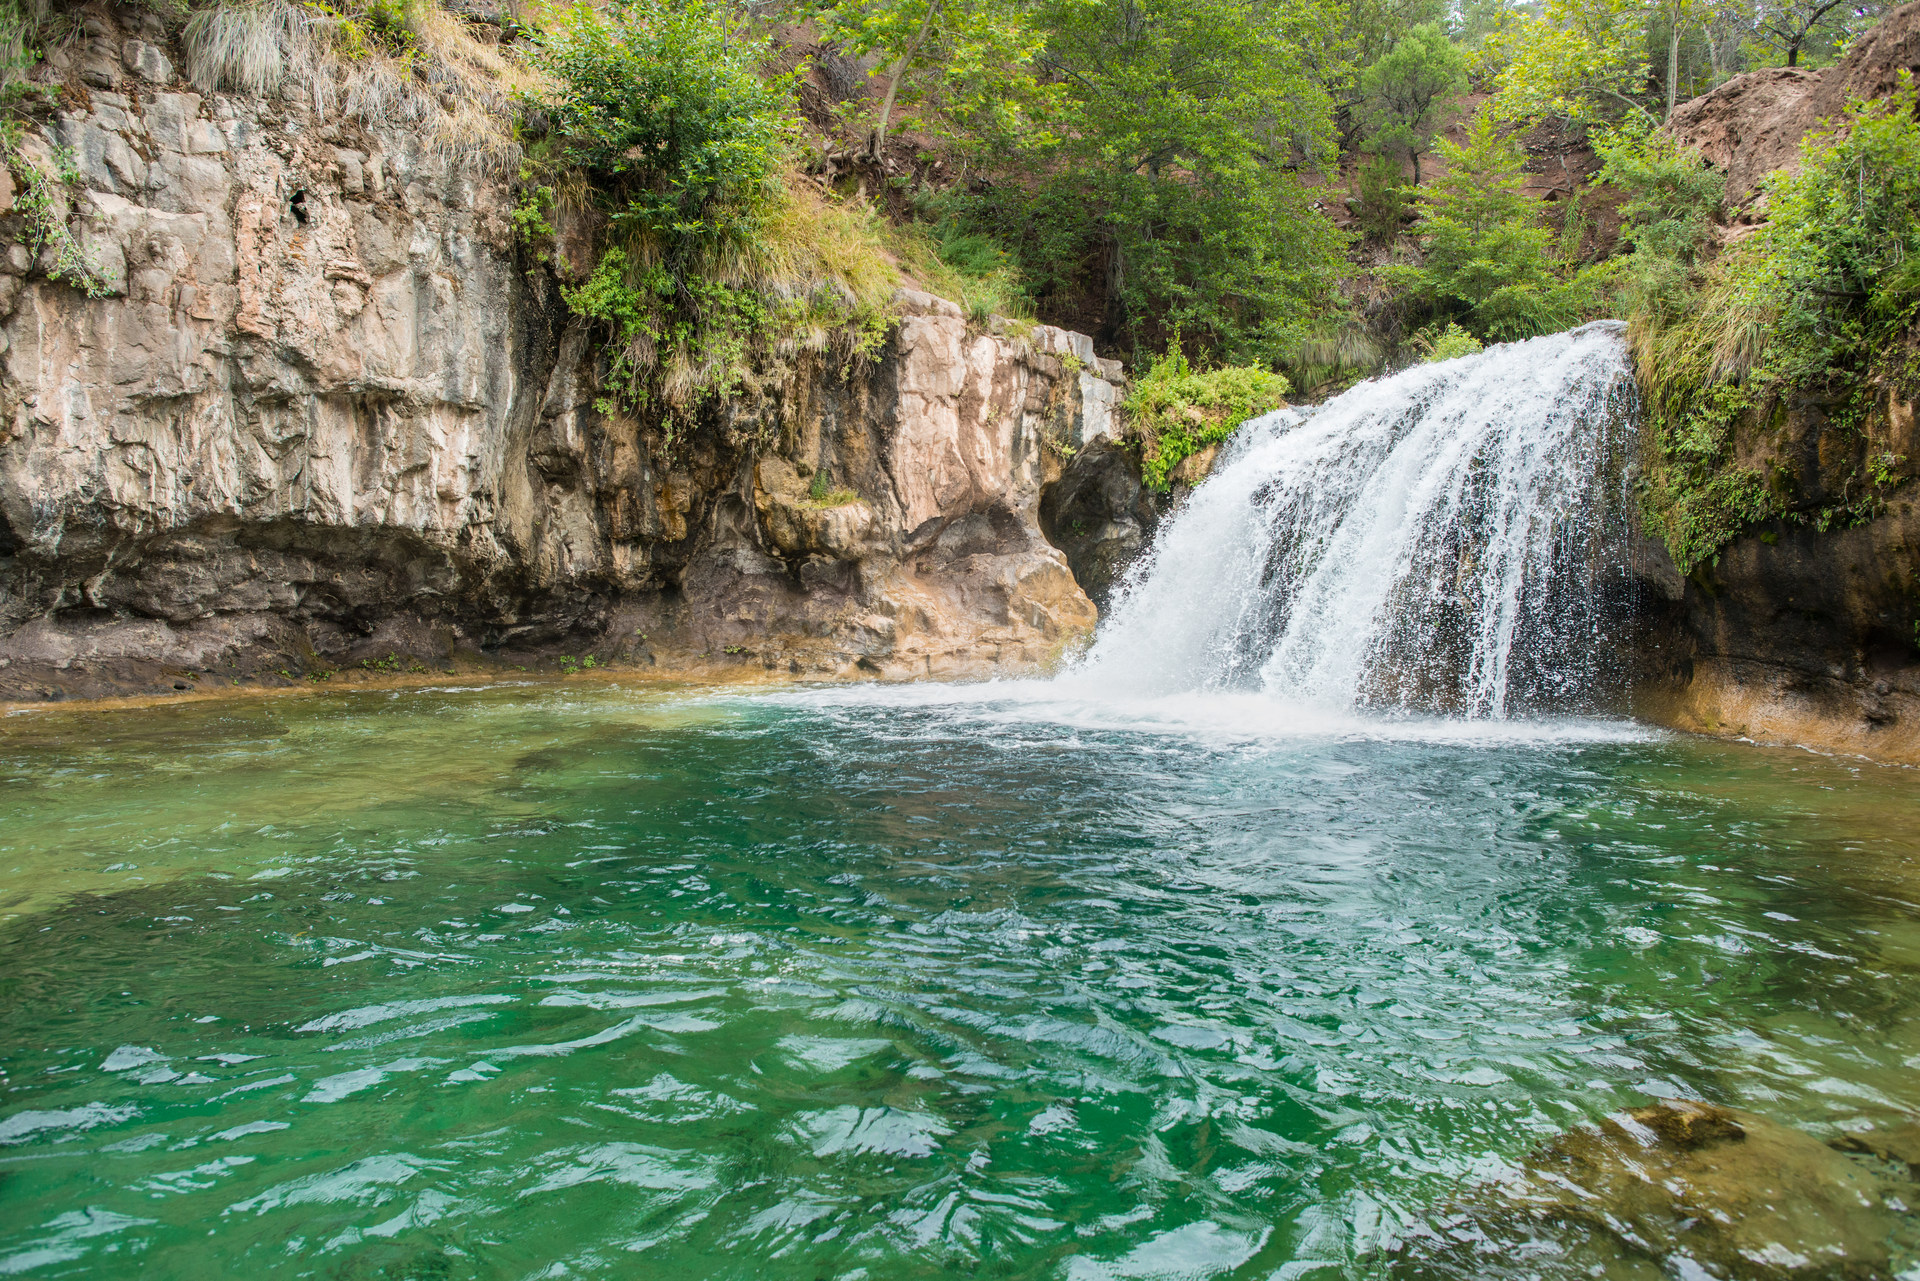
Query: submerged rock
{"x": 1690, "y": 1190}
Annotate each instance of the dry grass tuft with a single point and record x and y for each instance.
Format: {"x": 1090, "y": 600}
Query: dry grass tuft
{"x": 254, "y": 47}
{"x": 456, "y": 89}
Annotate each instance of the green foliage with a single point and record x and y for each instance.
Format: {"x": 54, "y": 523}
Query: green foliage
{"x": 1819, "y": 302}
{"x": 1381, "y": 203}
{"x": 662, "y": 110}
{"x": 964, "y": 69}
{"x": 1370, "y": 27}
{"x": 42, "y": 202}
{"x": 1674, "y": 196}
{"x": 1487, "y": 259}
{"x": 822, "y": 492}
{"x": 1176, "y": 410}
{"x": 1173, "y": 193}
{"x": 1444, "y": 342}
{"x": 23, "y": 26}
{"x": 663, "y": 105}
{"x": 970, "y": 268}
{"x": 1408, "y": 89}
{"x": 1580, "y": 60}
{"x": 1838, "y": 253}
{"x": 529, "y": 216}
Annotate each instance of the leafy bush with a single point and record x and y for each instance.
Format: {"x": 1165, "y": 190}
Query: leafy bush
{"x": 664, "y": 106}
{"x": 712, "y": 262}
{"x": 1673, "y": 198}
{"x": 1381, "y": 201}
{"x": 1176, "y": 410}
{"x": 1448, "y": 342}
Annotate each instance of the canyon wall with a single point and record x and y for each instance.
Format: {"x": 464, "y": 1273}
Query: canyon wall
{"x": 327, "y": 415}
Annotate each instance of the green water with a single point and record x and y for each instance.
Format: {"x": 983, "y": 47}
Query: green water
{"x": 563, "y": 981}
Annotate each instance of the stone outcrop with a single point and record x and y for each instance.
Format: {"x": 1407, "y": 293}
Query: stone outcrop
{"x": 1802, "y": 630}
{"x": 329, "y": 412}
{"x": 1752, "y": 125}
{"x": 1103, "y": 517}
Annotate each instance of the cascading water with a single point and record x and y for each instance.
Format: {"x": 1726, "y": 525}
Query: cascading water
{"x": 1448, "y": 539}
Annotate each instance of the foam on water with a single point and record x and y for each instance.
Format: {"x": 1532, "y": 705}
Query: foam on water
{"x": 1082, "y": 699}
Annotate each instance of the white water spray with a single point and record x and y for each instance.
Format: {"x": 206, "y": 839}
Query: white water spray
{"x": 1441, "y": 540}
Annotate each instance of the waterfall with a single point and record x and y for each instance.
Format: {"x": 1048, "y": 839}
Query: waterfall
{"x": 1448, "y": 539}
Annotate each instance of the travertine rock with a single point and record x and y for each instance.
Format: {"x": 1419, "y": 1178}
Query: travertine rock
{"x": 328, "y": 410}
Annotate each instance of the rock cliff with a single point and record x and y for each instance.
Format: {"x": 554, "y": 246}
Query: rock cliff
{"x": 1796, "y": 633}
{"x": 328, "y": 415}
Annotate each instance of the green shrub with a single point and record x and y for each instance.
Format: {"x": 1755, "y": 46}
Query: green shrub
{"x": 1175, "y": 410}
{"x": 1820, "y": 302}
{"x": 43, "y": 206}
{"x": 1444, "y": 342}
{"x": 1380, "y": 203}
{"x": 711, "y": 261}
{"x": 664, "y": 106}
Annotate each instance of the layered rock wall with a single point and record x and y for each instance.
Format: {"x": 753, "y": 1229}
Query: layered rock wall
{"x": 328, "y": 413}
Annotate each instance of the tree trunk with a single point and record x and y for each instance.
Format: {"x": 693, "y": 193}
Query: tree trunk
{"x": 1793, "y": 54}
{"x": 1416, "y": 167}
{"x": 899, "y": 73}
{"x": 1673, "y": 67}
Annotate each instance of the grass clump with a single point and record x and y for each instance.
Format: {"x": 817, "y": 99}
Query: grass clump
{"x": 1818, "y": 303}
{"x": 822, "y": 492}
{"x": 969, "y": 268}
{"x": 401, "y": 64}
{"x": 1176, "y": 410}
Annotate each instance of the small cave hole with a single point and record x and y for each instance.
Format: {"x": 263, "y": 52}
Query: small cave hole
{"x": 298, "y": 206}
{"x": 8, "y": 543}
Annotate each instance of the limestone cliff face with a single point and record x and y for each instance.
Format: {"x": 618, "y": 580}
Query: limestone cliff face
{"x": 329, "y": 413}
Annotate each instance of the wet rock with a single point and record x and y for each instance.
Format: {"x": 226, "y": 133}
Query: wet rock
{"x": 1696, "y": 1191}
{"x": 1101, "y": 515}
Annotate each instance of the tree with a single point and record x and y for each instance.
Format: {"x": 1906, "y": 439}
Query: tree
{"x": 1373, "y": 26}
{"x": 1577, "y": 60}
{"x": 1678, "y": 16}
{"x": 1177, "y": 196}
{"x": 1793, "y": 21}
{"x": 1485, "y": 253}
{"x": 967, "y": 64}
{"x": 1405, "y": 92}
